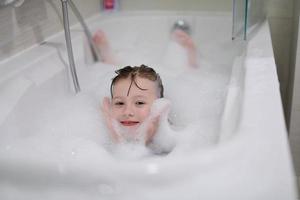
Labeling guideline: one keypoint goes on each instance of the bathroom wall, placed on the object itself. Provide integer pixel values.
(280, 16)
(205, 5)
(34, 21)
(294, 92)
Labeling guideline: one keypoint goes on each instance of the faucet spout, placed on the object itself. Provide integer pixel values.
(182, 25)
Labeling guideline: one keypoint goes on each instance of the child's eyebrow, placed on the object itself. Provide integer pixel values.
(117, 97)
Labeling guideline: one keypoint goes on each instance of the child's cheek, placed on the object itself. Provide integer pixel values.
(145, 113)
(115, 113)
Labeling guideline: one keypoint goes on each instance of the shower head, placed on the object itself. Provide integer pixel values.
(182, 25)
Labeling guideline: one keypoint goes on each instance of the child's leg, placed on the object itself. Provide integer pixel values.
(102, 44)
(183, 39)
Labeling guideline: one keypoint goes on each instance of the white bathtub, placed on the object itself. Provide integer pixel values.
(247, 156)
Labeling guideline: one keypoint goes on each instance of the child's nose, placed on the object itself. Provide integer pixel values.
(128, 110)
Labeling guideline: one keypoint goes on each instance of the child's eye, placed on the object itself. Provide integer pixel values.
(140, 103)
(119, 103)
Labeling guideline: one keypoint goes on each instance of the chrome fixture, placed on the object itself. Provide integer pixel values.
(182, 25)
(69, 45)
(94, 49)
(88, 34)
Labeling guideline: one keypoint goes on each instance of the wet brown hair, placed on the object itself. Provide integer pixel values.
(142, 71)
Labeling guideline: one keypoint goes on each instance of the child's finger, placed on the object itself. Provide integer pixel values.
(106, 104)
(106, 107)
(152, 129)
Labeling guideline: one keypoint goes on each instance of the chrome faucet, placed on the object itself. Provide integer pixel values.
(182, 25)
(69, 45)
(92, 45)
(88, 34)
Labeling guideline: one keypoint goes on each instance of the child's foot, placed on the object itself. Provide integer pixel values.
(183, 39)
(102, 44)
(186, 42)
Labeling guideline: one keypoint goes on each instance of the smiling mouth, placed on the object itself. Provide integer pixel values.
(129, 123)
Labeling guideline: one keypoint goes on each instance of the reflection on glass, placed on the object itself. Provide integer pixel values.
(239, 16)
(256, 13)
(246, 15)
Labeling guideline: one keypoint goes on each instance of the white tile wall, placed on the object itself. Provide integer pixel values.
(206, 5)
(298, 182)
(294, 125)
(282, 49)
(34, 21)
(295, 112)
(296, 102)
(294, 129)
(280, 14)
(280, 8)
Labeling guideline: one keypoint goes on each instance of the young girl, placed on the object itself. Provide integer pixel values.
(136, 104)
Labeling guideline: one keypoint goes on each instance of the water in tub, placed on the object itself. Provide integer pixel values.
(67, 132)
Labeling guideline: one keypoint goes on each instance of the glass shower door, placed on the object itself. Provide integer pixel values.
(239, 18)
(246, 15)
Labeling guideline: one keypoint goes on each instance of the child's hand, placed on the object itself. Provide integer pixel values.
(159, 109)
(149, 127)
(106, 111)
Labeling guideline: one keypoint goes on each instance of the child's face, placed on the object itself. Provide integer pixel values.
(132, 109)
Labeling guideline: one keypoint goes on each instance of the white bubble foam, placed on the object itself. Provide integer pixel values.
(188, 123)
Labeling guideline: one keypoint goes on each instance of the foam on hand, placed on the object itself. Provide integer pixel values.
(133, 139)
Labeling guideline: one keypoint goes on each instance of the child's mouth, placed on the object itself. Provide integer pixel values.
(129, 123)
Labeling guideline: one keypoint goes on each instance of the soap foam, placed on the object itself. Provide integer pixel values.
(196, 97)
